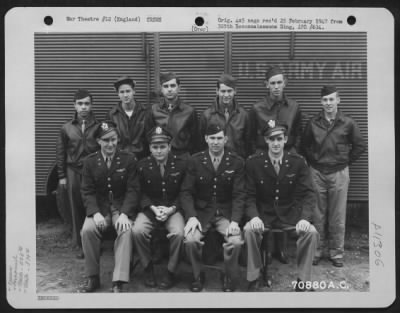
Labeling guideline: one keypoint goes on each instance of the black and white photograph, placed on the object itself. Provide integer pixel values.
(226, 157)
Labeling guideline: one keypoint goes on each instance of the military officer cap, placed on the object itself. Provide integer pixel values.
(124, 80)
(105, 128)
(327, 90)
(227, 80)
(159, 134)
(274, 128)
(213, 129)
(167, 76)
(82, 93)
(274, 70)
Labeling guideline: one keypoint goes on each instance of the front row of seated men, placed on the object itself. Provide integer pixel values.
(214, 188)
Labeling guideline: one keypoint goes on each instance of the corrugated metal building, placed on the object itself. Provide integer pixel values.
(65, 62)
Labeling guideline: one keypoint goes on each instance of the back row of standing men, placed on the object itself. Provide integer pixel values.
(330, 142)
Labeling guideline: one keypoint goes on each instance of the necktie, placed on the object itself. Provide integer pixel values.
(169, 107)
(108, 162)
(276, 167)
(162, 169)
(83, 126)
(215, 163)
(226, 114)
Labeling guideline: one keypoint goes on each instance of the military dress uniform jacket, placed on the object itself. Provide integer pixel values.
(286, 110)
(73, 145)
(237, 127)
(160, 190)
(117, 186)
(206, 192)
(282, 199)
(330, 148)
(132, 131)
(181, 122)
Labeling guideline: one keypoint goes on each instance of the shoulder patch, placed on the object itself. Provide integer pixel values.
(92, 154)
(295, 155)
(198, 154)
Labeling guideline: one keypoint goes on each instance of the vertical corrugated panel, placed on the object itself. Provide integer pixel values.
(310, 61)
(198, 59)
(65, 62)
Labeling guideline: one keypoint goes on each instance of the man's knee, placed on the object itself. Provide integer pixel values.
(192, 239)
(140, 230)
(312, 234)
(88, 228)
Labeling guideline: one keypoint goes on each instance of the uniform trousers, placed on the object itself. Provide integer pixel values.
(142, 232)
(76, 204)
(306, 246)
(231, 246)
(330, 212)
(91, 242)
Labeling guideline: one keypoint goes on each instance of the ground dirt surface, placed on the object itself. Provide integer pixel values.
(59, 271)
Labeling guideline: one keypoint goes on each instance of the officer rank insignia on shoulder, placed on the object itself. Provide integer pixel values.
(199, 154)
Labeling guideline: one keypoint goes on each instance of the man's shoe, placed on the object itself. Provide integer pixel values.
(227, 283)
(149, 280)
(92, 284)
(253, 286)
(80, 255)
(316, 261)
(198, 283)
(337, 262)
(168, 281)
(282, 257)
(117, 287)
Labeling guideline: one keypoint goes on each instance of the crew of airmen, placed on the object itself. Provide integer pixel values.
(242, 173)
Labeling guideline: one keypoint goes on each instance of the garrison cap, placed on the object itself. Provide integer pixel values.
(82, 93)
(227, 80)
(124, 80)
(274, 127)
(104, 128)
(167, 76)
(327, 90)
(213, 129)
(158, 134)
(274, 70)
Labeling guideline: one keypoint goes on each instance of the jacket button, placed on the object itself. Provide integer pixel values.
(277, 190)
(215, 179)
(163, 182)
(163, 190)
(276, 198)
(109, 186)
(215, 186)
(108, 178)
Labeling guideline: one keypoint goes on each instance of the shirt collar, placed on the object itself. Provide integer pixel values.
(164, 104)
(105, 157)
(276, 159)
(219, 158)
(270, 103)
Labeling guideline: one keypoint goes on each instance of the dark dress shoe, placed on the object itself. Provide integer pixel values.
(253, 286)
(227, 284)
(80, 255)
(167, 281)
(149, 280)
(282, 257)
(92, 284)
(117, 287)
(198, 283)
(337, 262)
